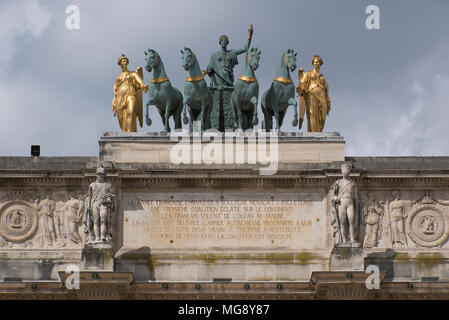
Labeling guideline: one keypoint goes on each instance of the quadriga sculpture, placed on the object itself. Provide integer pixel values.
(244, 98)
(196, 94)
(281, 94)
(167, 99)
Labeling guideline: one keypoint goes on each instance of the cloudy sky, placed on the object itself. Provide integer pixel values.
(389, 88)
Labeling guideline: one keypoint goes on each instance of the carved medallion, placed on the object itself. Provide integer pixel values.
(428, 227)
(18, 221)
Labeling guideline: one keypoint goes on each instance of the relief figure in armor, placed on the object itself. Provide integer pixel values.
(100, 199)
(346, 209)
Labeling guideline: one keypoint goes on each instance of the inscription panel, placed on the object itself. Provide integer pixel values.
(198, 221)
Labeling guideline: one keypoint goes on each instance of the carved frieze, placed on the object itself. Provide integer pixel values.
(43, 224)
(373, 213)
(18, 221)
(428, 226)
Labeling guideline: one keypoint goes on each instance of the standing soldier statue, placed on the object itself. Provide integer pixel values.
(345, 207)
(221, 73)
(99, 206)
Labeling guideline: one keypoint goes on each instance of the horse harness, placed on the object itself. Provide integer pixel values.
(283, 80)
(159, 80)
(247, 79)
(194, 78)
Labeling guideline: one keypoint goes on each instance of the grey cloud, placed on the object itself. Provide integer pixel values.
(56, 86)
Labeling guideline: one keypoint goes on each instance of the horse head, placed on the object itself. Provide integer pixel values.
(152, 59)
(289, 59)
(253, 58)
(188, 58)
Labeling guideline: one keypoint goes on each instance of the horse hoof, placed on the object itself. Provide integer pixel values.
(295, 122)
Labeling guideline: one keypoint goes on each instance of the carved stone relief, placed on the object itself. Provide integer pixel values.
(373, 213)
(398, 210)
(41, 222)
(398, 223)
(428, 222)
(18, 221)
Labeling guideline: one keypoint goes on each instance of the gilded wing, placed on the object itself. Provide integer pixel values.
(327, 95)
(139, 98)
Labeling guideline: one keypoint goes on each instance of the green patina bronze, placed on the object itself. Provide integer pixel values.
(196, 93)
(281, 94)
(245, 96)
(221, 73)
(166, 98)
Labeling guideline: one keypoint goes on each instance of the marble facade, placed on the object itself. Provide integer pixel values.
(211, 222)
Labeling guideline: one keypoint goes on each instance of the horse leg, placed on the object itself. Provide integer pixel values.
(208, 110)
(207, 117)
(147, 115)
(192, 117)
(234, 111)
(281, 117)
(168, 106)
(249, 117)
(276, 114)
(254, 101)
(266, 123)
(177, 116)
(177, 105)
(239, 116)
(202, 115)
(184, 115)
(161, 113)
(292, 102)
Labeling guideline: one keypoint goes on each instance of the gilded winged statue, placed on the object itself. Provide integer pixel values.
(127, 102)
(313, 96)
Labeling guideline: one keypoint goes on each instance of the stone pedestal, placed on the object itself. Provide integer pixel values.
(97, 257)
(347, 259)
(220, 150)
(205, 208)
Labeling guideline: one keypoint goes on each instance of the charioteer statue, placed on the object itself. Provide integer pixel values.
(221, 73)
